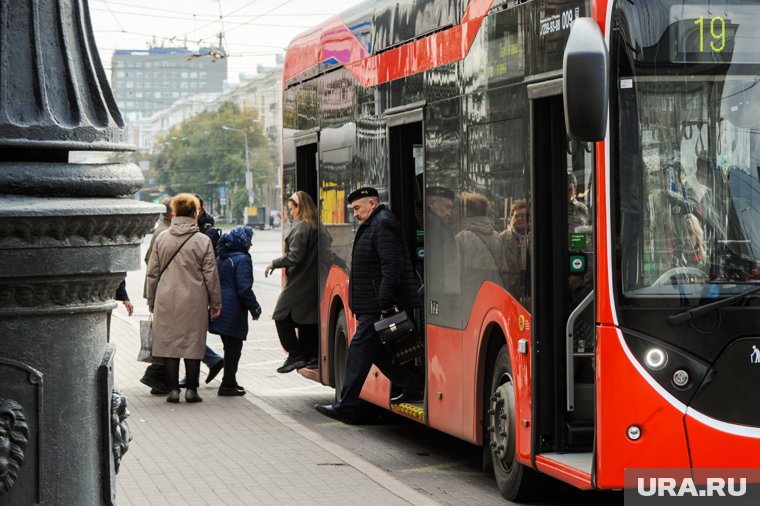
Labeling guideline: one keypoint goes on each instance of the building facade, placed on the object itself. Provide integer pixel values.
(262, 92)
(145, 82)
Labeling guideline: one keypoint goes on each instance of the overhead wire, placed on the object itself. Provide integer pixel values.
(231, 13)
(142, 15)
(200, 42)
(114, 15)
(280, 5)
(150, 10)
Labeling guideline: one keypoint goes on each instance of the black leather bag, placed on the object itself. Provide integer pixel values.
(394, 327)
(398, 334)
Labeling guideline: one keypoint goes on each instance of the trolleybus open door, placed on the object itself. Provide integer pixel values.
(406, 163)
(563, 310)
(306, 145)
(307, 163)
(564, 320)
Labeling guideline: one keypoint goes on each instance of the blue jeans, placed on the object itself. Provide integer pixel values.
(157, 370)
(211, 358)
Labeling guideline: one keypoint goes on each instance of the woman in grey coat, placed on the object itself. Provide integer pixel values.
(297, 305)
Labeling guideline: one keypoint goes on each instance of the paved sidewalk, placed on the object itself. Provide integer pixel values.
(237, 450)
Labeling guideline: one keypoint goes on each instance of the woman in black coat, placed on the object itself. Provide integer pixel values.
(236, 277)
(298, 303)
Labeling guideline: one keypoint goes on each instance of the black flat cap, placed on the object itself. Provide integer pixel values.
(439, 191)
(361, 193)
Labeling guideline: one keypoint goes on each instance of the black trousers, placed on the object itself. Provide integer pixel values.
(232, 350)
(304, 343)
(365, 350)
(192, 370)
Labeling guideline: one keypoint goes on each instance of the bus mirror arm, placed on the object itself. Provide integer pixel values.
(585, 83)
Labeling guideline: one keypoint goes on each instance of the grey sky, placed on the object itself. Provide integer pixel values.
(255, 30)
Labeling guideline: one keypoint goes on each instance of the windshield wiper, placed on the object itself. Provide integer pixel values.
(690, 314)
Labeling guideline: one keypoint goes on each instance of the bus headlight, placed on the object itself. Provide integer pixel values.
(677, 371)
(656, 358)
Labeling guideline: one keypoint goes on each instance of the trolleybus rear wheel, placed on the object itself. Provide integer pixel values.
(515, 481)
(340, 352)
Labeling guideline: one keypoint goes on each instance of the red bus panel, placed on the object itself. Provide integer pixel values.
(626, 398)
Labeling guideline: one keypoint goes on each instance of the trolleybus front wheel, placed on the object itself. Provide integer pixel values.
(515, 481)
(340, 352)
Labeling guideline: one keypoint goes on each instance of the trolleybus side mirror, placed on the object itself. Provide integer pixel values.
(585, 85)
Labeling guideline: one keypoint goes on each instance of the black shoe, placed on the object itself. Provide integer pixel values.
(173, 397)
(407, 395)
(154, 382)
(192, 396)
(312, 363)
(292, 363)
(160, 391)
(345, 415)
(183, 383)
(231, 391)
(214, 370)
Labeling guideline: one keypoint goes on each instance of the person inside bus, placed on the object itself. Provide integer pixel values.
(694, 241)
(516, 240)
(577, 211)
(297, 305)
(480, 248)
(441, 255)
(381, 280)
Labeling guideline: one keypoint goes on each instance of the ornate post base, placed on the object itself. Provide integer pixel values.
(62, 260)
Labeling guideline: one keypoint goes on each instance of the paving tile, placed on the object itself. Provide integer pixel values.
(236, 450)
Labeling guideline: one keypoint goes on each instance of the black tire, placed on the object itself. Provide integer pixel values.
(340, 353)
(516, 482)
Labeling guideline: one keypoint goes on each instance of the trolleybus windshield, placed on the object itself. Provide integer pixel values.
(688, 137)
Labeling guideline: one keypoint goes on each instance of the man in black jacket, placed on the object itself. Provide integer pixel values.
(206, 224)
(381, 279)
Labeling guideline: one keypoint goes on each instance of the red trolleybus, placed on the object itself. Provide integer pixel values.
(587, 236)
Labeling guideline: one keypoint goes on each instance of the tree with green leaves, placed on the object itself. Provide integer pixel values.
(207, 151)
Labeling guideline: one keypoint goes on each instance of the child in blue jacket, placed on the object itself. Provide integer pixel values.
(236, 276)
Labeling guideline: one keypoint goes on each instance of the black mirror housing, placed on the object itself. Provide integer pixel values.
(585, 84)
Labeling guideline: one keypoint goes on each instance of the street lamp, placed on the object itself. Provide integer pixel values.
(248, 175)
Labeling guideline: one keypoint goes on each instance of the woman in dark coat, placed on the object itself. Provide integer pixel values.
(236, 276)
(297, 305)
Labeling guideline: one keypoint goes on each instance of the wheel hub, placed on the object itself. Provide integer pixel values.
(502, 407)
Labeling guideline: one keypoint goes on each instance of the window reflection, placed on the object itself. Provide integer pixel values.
(694, 220)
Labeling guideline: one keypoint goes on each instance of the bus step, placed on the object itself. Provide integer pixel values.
(410, 410)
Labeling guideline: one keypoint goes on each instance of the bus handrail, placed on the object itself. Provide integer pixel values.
(569, 348)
